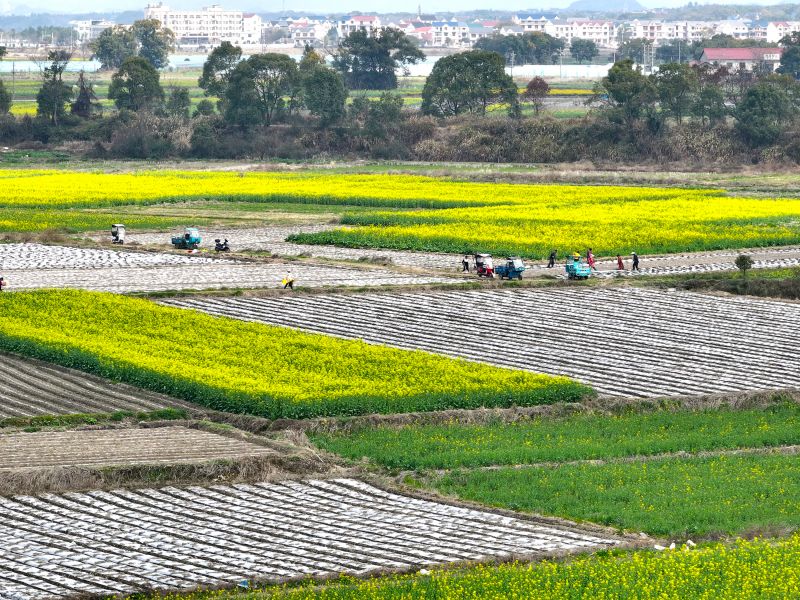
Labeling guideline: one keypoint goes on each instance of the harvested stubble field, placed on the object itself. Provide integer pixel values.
(114, 447)
(621, 341)
(121, 542)
(31, 387)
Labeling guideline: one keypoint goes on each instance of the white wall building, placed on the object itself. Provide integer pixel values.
(369, 23)
(208, 26)
(86, 31)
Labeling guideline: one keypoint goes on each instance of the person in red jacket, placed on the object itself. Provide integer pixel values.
(620, 264)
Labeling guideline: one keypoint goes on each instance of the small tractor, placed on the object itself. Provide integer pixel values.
(576, 268)
(190, 240)
(512, 269)
(118, 233)
(484, 265)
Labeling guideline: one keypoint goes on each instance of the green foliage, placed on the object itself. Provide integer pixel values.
(632, 50)
(86, 104)
(630, 92)
(671, 497)
(468, 82)
(583, 50)
(744, 263)
(763, 113)
(204, 108)
(580, 437)
(136, 85)
(370, 62)
(535, 92)
(5, 99)
(218, 68)
(324, 94)
(676, 85)
(257, 87)
(154, 42)
(3, 52)
(114, 46)
(531, 48)
(178, 102)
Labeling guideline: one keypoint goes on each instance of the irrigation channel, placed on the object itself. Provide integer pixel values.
(623, 341)
(120, 542)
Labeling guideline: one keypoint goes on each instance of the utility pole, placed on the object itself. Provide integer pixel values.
(510, 56)
(679, 51)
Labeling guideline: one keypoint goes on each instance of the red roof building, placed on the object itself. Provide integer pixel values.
(742, 59)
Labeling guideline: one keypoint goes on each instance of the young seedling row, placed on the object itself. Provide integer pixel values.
(122, 541)
(623, 341)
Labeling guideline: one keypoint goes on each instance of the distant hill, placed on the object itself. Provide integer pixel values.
(606, 6)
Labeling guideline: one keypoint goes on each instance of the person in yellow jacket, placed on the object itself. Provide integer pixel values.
(288, 281)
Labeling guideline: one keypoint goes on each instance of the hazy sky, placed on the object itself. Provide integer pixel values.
(322, 6)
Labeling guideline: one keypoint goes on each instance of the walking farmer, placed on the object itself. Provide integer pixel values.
(465, 264)
(590, 259)
(288, 281)
(620, 263)
(635, 266)
(551, 261)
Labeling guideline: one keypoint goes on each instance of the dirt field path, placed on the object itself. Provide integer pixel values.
(623, 341)
(31, 387)
(121, 542)
(32, 266)
(273, 239)
(113, 447)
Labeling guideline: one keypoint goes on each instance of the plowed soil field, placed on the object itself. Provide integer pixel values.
(97, 448)
(30, 387)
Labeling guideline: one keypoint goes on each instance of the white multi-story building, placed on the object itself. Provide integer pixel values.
(369, 23)
(600, 31)
(86, 31)
(208, 26)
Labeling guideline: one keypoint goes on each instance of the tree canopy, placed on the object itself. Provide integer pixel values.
(468, 82)
(529, 48)
(52, 98)
(146, 39)
(324, 94)
(370, 62)
(257, 87)
(136, 85)
(5, 99)
(583, 50)
(218, 68)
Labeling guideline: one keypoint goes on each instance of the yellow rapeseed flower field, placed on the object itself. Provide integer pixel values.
(450, 216)
(745, 570)
(269, 371)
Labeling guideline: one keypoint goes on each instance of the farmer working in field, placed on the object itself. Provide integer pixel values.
(2, 284)
(288, 281)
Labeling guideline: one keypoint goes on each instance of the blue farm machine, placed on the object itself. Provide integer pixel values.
(511, 269)
(576, 268)
(190, 240)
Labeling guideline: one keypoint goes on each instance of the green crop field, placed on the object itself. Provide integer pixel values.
(575, 438)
